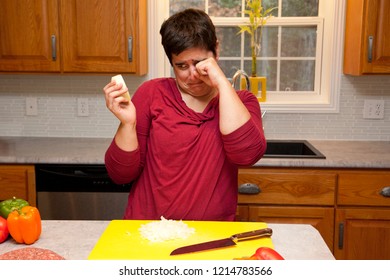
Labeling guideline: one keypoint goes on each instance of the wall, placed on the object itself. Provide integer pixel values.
(57, 109)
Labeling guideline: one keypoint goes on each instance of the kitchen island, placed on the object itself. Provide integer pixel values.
(347, 188)
(74, 240)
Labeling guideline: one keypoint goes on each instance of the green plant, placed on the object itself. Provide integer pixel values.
(257, 19)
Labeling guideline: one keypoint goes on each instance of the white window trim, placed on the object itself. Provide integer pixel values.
(332, 66)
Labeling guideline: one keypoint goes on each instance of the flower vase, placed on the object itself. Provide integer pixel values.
(256, 83)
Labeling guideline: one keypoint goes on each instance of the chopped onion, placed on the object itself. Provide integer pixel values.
(163, 230)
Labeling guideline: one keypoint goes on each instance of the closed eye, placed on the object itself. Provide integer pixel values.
(182, 66)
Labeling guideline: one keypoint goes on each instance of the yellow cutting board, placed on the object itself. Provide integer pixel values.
(122, 241)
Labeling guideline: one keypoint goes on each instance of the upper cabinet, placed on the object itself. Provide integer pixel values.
(73, 36)
(26, 30)
(367, 37)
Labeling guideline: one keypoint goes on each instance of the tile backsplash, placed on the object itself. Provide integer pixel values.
(57, 109)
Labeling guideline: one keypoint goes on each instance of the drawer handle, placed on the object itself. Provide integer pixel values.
(369, 51)
(341, 236)
(53, 47)
(130, 49)
(385, 192)
(249, 188)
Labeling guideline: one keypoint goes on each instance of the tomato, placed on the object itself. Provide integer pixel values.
(266, 253)
(3, 230)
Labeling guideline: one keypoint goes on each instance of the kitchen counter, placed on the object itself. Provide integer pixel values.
(339, 154)
(74, 240)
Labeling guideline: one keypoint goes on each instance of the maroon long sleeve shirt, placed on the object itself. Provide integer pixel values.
(184, 168)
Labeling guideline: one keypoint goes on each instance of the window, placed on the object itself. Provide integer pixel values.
(300, 51)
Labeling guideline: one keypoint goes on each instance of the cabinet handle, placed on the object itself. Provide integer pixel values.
(130, 49)
(53, 47)
(249, 188)
(341, 236)
(385, 192)
(369, 51)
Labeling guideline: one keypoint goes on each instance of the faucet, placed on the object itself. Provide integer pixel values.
(262, 117)
(238, 74)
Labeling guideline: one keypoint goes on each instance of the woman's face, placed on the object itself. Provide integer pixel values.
(184, 68)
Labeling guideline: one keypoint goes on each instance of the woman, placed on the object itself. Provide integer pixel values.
(181, 140)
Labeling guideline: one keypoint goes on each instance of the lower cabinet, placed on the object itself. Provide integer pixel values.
(362, 227)
(289, 196)
(18, 181)
(362, 234)
(322, 218)
(349, 207)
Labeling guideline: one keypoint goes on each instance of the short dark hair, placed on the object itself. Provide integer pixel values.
(187, 29)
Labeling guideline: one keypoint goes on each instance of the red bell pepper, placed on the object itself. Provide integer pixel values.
(266, 253)
(3, 230)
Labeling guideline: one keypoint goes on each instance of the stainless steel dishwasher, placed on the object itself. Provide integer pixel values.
(78, 192)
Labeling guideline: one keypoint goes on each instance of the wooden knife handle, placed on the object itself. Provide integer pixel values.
(253, 234)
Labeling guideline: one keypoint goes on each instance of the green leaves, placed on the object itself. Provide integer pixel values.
(258, 17)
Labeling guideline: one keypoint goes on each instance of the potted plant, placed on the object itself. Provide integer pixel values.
(258, 17)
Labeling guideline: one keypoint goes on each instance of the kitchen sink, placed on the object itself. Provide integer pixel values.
(291, 149)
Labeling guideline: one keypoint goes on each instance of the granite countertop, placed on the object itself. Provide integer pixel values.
(74, 240)
(339, 154)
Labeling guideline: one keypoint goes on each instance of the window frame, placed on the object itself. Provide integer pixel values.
(330, 21)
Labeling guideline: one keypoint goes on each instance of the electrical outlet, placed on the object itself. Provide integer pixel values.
(374, 109)
(31, 106)
(82, 107)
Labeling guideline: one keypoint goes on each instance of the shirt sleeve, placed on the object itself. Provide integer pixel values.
(247, 144)
(123, 166)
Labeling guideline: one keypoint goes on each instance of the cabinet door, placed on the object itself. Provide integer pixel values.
(367, 49)
(29, 36)
(362, 234)
(322, 218)
(18, 181)
(104, 36)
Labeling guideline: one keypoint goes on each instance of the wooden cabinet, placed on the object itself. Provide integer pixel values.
(367, 35)
(288, 195)
(349, 207)
(363, 215)
(18, 181)
(322, 218)
(26, 30)
(73, 36)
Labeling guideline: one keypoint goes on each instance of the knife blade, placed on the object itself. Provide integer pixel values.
(221, 243)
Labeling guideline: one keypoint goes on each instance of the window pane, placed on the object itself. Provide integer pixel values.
(265, 68)
(225, 8)
(297, 75)
(271, 4)
(229, 41)
(287, 54)
(300, 8)
(299, 41)
(229, 67)
(179, 5)
(269, 43)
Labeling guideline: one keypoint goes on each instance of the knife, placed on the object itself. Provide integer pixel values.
(220, 243)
